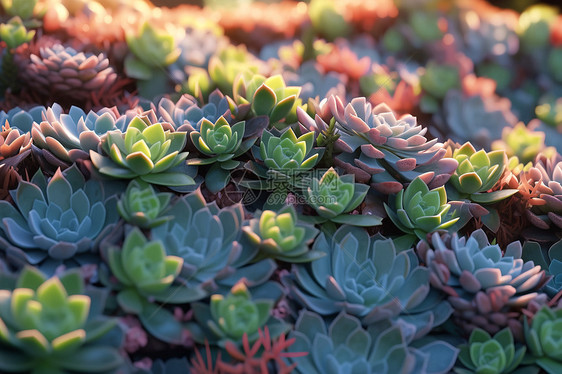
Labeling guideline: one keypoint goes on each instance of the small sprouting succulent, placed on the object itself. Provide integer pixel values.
(522, 142)
(279, 235)
(14, 33)
(346, 346)
(141, 206)
(63, 72)
(229, 318)
(12, 142)
(478, 172)
(333, 197)
(50, 325)
(544, 340)
(393, 151)
(55, 221)
(144, 150)
(549, 260)
(186, 115)
(144, 273)
(208, 240)
(419, 211)
(367, 278)
(66, 138)
(267, 97)
(483, 283)
(220, 143)
(492, 355)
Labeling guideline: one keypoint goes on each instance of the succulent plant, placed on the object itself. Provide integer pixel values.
(283, 159)
(534, 26)
(268, 97)
(220, 143)
(487, 354)
(345, 346)
(479, 120)
(144, 150)
(367, 278)
(208, 240)
(141, 206)
(543, 339)
(279, 235)
(478, 172)
(151, 50)
(438, 79)
(550, 260)
(186, 115)
(20, 8)
(23, 119)
(66, 138)
(144, 273)
(56, 221)
(230, 63)
(327, 19)
(14, 33)
(64, 72)
(522, 142)
(12, 143)
(314, 83)
(486, 288)
(393, 151)
(333, 197)
(419, 211)
(228, 318)
(51, 325)
(549, 110)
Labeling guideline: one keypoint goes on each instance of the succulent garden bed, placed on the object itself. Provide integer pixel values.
(313, 187)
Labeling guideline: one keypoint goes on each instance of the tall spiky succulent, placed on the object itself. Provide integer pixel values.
(279, 235)
(63, 72)
(417, 211)
(346, 346)
(143, 273)
(486, 354)
(51, 325)
(66, 138)
(145, 150)
(220, 143)
(333, 196)
(208, 240)
(486, 288)
(367, 278)
(55, 221)
(393, 151)
(229, 317)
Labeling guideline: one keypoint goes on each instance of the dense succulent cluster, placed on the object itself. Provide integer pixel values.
(257, 186)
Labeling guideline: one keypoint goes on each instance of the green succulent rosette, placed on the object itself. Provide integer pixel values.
(268, 97)
(143, 274)
(50, 326)
(417, 211)
(487, 354)
(544, 339)
(333, 197)
(220, 143)
(142, 206)
(229, 317)
(14, 33)
(478, 172)
(146, 151)
(279, 235)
